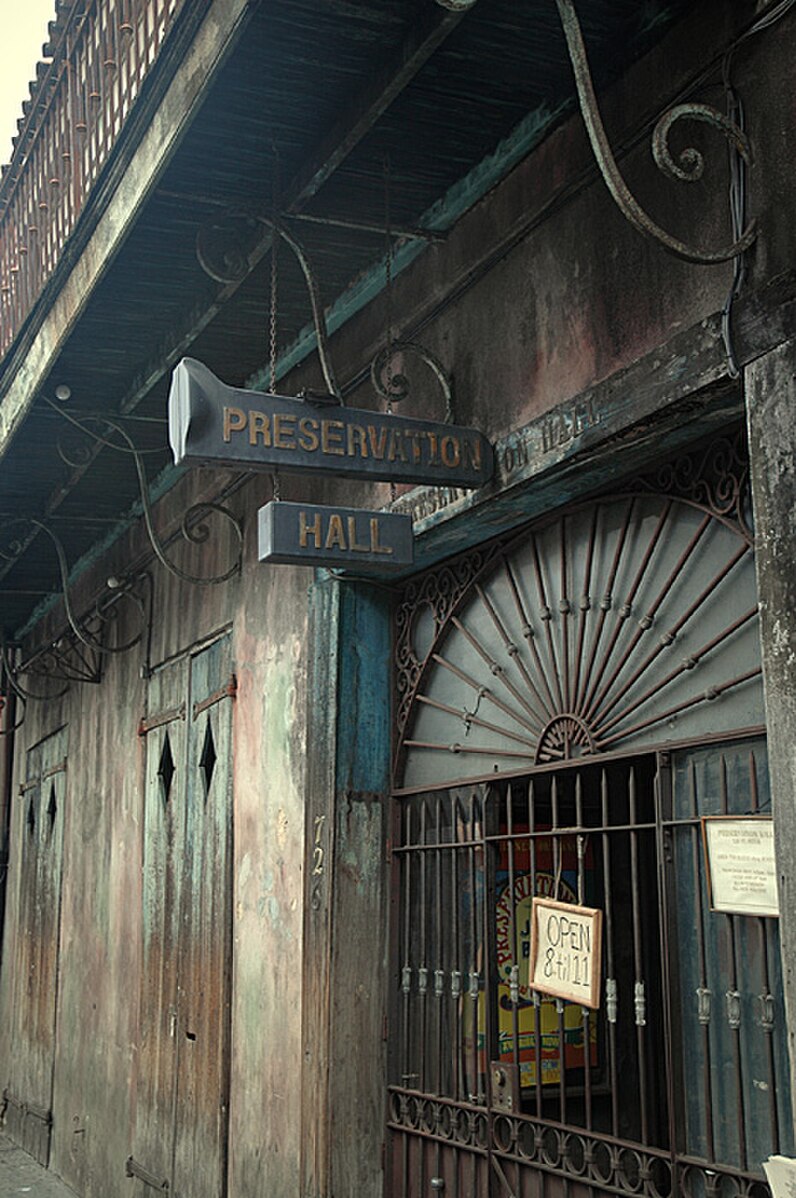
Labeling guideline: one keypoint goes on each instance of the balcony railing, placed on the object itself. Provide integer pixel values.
(98, 56)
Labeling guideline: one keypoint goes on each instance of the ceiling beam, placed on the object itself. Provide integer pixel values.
(360, 114)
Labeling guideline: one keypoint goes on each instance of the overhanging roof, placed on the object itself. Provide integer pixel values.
(313, 100)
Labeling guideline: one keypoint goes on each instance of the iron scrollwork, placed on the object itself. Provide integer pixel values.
(688, 168)
(394, 387)
(225, 249)
(193, 528)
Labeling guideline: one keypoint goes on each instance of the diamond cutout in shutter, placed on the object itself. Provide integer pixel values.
(207, 762)
(166, 769)
(31, 820)
(52, 809)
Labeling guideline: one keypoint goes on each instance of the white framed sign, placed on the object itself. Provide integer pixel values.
(739, 855)
(566, 951)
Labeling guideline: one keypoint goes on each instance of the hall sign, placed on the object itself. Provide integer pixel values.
(309, 534)
(211, 424)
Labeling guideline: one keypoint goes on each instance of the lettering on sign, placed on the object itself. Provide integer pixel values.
(742, 877)
(212, 424)
(309, 534)
(566, 951)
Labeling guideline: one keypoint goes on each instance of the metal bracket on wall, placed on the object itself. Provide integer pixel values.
(133, 1169)
(688, 168)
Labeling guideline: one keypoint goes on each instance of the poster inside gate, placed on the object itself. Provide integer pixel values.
(521, 899)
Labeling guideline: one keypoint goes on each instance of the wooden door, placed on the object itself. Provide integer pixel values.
(40, 821)
(183, 1087)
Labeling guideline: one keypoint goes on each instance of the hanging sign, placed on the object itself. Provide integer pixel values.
(308, 534)
(211, 424)
(566, 948)
(742, 875)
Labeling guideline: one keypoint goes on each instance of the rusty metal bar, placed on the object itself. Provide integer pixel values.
(733, 996)
(133, 1169)
(638, 962)
(688, 664)
(605, 605)
(669, 637)
(511, 649)
(494, 667)
(648, 619)
(703, 993)
(585, 605)
(515, 965)
(537, 1008)
(487, 694)
(229, 691)
(549, 704)
(766, 997)
(625, 610)
(611, 990)
(148, 723)
(546, 616)
(713, 692)
(471, 718)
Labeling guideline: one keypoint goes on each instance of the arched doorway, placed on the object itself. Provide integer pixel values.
(572, 704)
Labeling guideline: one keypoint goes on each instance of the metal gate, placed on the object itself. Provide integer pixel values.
(571, 706)
(678, 1083)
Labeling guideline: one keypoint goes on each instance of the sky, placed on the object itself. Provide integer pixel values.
(23, 32)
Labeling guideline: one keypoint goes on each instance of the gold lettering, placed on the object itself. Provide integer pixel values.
(472, 450)
(377, 446)
(284, 431)
(415, 436)
(234, 421)
(449, 448)
(335, 535)
(259, 424)
(353, 543)
(308, 434)
(332, 437)
(397, 448)
(433, 442)
(357, 441)
(309, 530)
(375, 546)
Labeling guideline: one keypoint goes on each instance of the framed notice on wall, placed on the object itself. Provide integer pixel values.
(739, 853)
(566, 949)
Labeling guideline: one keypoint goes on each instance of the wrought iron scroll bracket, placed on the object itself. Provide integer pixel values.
(393, 387)
(221, 250)
(193, 527)
(688, 168)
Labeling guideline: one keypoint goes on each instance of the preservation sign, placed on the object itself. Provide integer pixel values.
(306, 534)
(566, 947)
(213, 424)
(742, 878)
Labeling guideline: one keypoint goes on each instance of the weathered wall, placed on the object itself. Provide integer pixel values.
(539, 293)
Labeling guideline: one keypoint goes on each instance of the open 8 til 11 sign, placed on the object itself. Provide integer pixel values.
(566, 951)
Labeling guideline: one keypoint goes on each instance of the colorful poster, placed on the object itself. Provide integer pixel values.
(519, 899)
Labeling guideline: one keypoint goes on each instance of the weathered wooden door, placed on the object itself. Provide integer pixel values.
(39, 832)
(183, 1085)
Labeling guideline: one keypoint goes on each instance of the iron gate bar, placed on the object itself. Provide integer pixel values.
(626, 608)
(688, 664)
(763, 934)
(731, 924)
(511, 649)
(606, 602)
(645, 623)
(609, 941)
(584, 605)
(469, 717)
(696, 860)
(529, 635)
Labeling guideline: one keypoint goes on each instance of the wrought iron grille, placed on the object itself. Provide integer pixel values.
(677, 1084)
